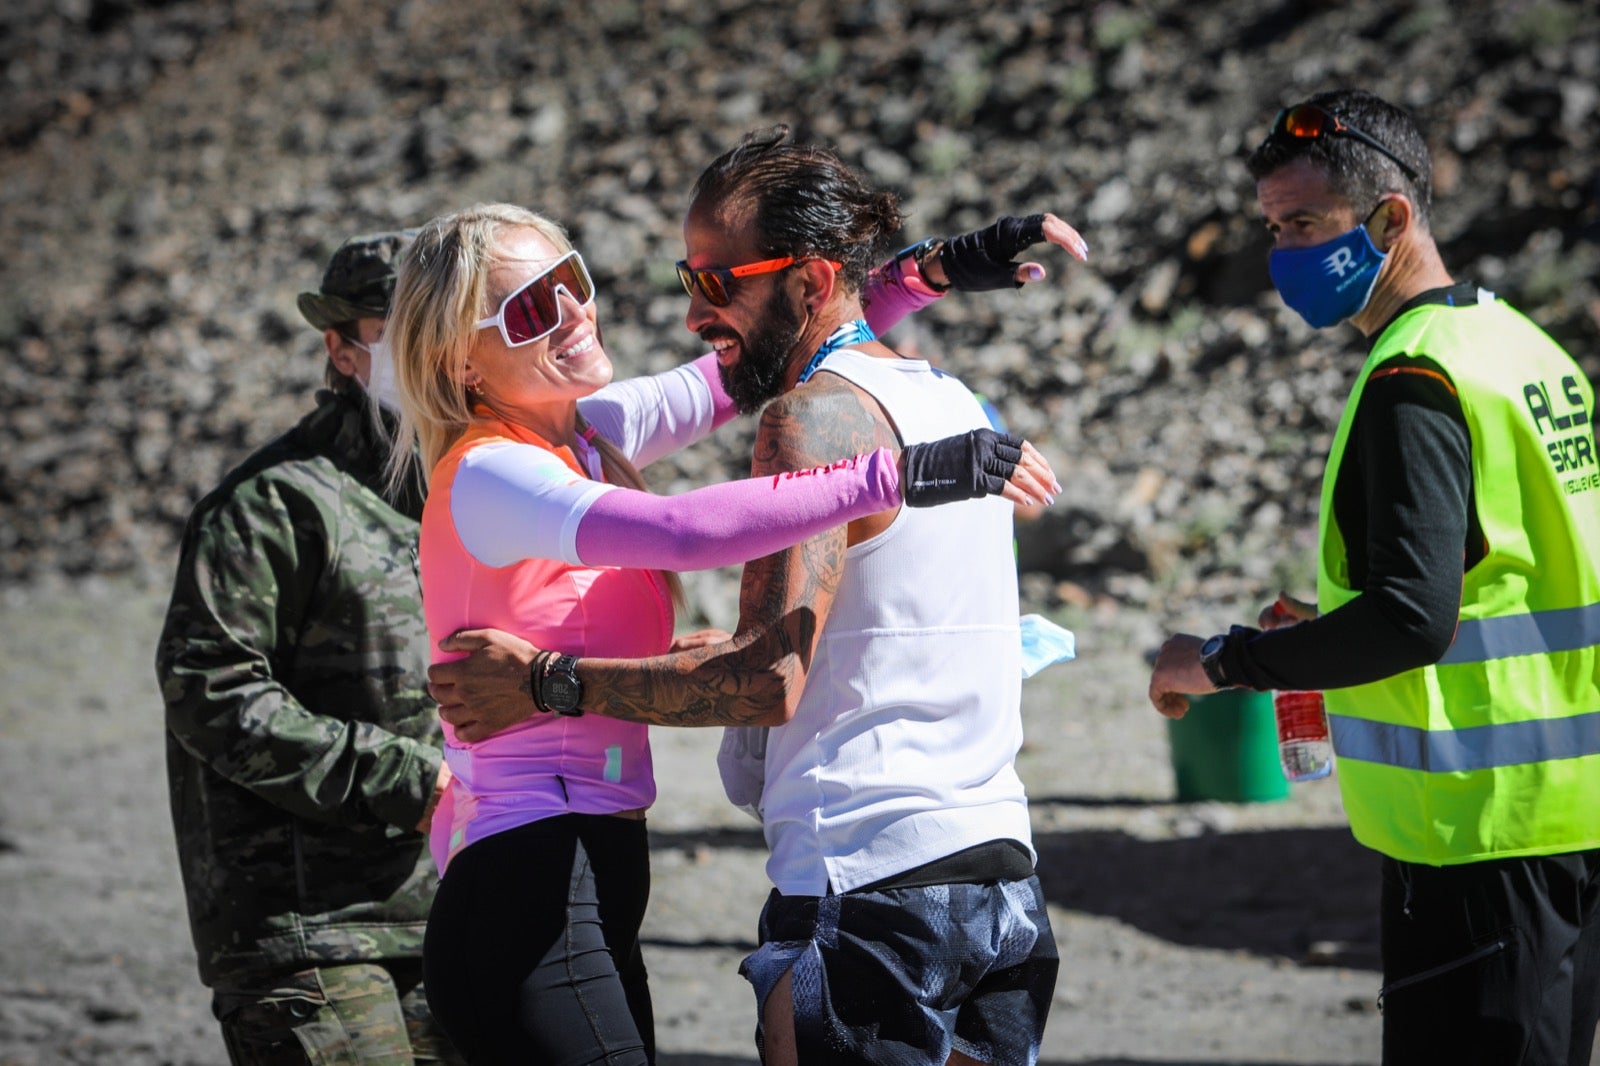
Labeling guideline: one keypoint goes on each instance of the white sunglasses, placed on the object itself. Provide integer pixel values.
(533, 312)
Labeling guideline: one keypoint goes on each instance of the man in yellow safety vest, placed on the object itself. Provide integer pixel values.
(1457, 622)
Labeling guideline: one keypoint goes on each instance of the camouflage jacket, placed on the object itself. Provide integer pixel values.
(302, 746)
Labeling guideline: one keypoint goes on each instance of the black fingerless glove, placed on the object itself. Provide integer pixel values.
(981, 260)
(963, 467)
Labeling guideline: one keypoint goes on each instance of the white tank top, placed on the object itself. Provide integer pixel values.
(902, 748)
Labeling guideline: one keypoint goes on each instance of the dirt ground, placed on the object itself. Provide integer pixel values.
(1199, 934)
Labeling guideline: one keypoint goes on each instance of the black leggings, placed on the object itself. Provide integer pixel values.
(532, 950)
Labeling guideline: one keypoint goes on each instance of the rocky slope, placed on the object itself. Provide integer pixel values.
(175, 172)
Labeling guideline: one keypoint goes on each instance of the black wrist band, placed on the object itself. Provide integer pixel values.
(536, 672)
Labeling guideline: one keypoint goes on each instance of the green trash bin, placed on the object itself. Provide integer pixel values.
(1226, 748)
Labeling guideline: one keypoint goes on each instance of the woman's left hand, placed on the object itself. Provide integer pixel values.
(982, 260)
(1033, 483)
(967, 466)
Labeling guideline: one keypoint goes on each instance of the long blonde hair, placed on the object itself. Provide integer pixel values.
(440, 293)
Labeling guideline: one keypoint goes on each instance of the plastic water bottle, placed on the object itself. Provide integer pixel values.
(1304, 745)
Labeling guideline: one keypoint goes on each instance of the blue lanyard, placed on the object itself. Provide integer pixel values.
(857, 332)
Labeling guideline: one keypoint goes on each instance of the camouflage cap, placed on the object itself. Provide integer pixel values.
(359, 280)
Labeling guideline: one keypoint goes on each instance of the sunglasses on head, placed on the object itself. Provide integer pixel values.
(532, 312)
(1307, 122)
(714, 283)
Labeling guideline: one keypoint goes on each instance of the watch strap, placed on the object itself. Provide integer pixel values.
(565, 667)
(1211, 661)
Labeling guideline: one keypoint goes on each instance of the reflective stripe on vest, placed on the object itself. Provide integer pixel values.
(1481, 639)
(1484, 747)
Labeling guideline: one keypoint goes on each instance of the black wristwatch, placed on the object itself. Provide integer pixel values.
(559, 689)
(919, 252)
(1211, 661)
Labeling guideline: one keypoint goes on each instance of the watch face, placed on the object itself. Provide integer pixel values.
(562, 693)
(1212, 646)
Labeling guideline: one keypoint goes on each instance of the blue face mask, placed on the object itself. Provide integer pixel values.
(1328, 282)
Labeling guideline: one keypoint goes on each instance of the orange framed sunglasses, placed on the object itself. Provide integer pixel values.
(715, 283)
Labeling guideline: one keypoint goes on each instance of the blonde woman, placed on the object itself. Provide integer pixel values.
(536, 524)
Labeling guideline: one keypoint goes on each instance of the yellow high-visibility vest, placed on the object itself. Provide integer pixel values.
(1494, 751)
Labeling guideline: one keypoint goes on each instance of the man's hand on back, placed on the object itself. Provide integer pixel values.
(486, 691)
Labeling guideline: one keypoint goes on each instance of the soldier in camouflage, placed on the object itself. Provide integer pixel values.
(302, 747)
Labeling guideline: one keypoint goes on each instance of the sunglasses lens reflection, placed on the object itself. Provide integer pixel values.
(1305, 122)
(531, 314)
(707, 282)
(711, 284)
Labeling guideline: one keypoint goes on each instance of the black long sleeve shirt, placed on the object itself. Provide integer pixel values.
(1404, 501)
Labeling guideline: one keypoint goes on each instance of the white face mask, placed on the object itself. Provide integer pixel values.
(381, 384)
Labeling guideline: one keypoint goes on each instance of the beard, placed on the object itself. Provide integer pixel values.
(764, 356)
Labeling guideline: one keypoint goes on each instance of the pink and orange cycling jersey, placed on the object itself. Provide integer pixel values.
(549, 764)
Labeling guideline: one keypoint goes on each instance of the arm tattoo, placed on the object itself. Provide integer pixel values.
(784, 598)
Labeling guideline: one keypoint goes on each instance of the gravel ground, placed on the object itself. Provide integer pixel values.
(1198, 933)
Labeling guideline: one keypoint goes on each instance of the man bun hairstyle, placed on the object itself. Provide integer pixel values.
(1357, 171)
(802, 200)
